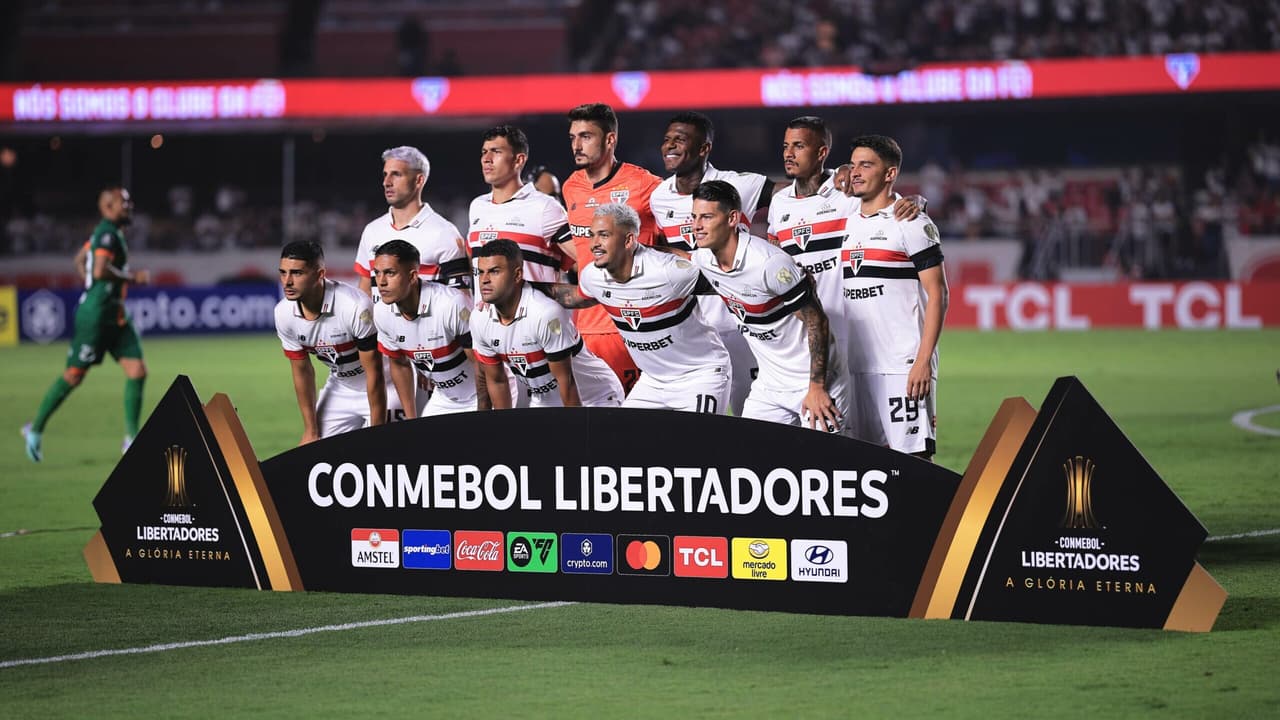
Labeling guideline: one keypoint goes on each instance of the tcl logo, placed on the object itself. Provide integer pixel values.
(705, 557)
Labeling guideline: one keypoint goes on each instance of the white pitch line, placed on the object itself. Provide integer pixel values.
(1237, 536)
(164, 647)
(1244, 420)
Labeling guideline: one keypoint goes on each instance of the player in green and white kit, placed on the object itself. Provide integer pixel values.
(101, 325)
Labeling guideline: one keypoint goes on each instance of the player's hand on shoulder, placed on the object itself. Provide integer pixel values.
(909, 208)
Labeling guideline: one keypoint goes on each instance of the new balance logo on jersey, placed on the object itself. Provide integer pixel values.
(801, 235)
(519, 363)
(632, 316)
(425, 357)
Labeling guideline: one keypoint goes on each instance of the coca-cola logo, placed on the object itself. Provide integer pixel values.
(478, 550)
(487, 550)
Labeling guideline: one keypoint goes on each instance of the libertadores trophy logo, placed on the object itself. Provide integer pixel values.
(175, 459)
(1079, 513)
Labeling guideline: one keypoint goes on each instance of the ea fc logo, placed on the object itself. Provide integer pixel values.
(1079, 513)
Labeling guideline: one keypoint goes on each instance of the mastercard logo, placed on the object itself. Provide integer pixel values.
(643, 555)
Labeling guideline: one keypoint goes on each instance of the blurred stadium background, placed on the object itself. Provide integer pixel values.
(1085, 185)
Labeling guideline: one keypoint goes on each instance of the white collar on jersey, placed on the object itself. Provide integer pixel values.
(424, 298)
(740, 255)
(637, 264)
(522, 308)
(886, 211)
(417, 220)
(326, 307)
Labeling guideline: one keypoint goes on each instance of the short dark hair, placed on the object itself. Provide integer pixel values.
(516, 138)
(598, 113)
(502, 247)
(814, 124)
(401, 250)
(308, 251)
(697, 120)
(883, 145)
(720, 192)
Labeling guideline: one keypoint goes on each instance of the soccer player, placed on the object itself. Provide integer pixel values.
(808, 217)
(101, 323)
(528, 332)
(802, 378)
(649, 295)
(546, 182)
(601, 178)
(334, 322)
(686, 153)
(517, 211)
(895, 294)
(424, 326)
(444, 253)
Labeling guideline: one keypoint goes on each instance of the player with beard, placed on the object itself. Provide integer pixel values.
(602, 178)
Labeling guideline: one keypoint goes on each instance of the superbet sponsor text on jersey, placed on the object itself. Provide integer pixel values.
(811, 230)
(542, 332)
(434, 341)
(438, 242)
(656, 313)
(763, 289)
(882, 295)
(531, 219)
(346, 319)
(629, 184)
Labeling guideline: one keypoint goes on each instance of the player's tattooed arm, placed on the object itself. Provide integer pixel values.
(566, 294)
(817, 403)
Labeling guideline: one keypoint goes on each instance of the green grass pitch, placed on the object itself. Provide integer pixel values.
(1173, 393)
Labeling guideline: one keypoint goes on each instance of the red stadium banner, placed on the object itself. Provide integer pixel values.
(268, 99)
(1151, 305)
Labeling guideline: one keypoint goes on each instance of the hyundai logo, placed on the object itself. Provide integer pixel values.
(819, 555)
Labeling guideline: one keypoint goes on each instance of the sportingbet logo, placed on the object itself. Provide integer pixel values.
(820, 561)
(430, 92)
(375, 548)
(427, 550)
(586, 553)
(477, 550)
(706, 557)
(631, 87)
(759, 558)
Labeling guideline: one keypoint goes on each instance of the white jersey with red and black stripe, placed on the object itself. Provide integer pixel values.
(434, 341)
(811, 230)
(655, 311)
(763, 289)
(336, 337)
(883, 298)
(540, 332)
(672, 209)
(531, 219)
(440, 246)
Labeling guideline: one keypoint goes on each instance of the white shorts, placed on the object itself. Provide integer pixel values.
(716, 314)
(787, 406)
(705, 391)
(883, 415)
(340, 409)
(442, 404)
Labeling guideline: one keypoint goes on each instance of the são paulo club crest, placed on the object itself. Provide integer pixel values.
(631, 87)
(1183, 68)
(431, 92)
(737, 308)
(520, 364)
(855, 260)
(801, 234)
(632, 316)
(424, 358)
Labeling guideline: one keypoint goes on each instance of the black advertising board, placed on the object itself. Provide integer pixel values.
(637, 506)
